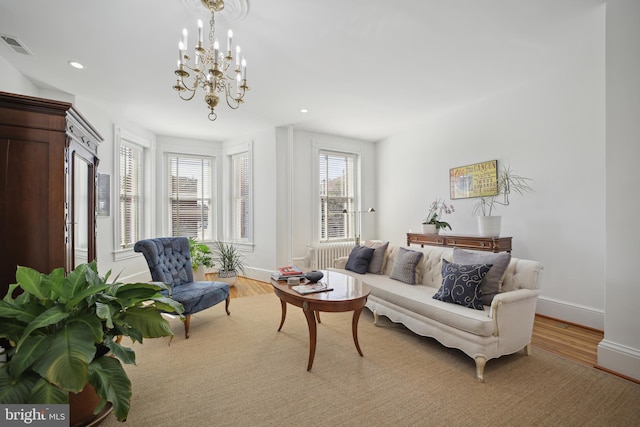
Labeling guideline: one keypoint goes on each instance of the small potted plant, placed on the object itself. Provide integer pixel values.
(230, 260)
(64, 334)
(508, 182)
(431, 223)
(200, 256)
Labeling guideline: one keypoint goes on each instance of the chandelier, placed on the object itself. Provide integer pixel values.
(211, 70)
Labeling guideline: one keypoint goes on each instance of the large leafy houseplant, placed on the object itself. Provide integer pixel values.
(64, 331)
(200, 254)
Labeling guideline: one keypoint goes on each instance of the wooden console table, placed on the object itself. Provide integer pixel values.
(476, 243)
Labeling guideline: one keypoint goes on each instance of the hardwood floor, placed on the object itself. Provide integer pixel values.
(571, 341)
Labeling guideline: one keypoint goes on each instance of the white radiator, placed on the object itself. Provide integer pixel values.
(321, 255)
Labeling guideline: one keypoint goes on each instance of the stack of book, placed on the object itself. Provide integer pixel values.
(283, 273)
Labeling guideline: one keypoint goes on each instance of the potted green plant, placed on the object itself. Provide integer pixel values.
(200, 256)
(508, 182)
(64, 334)
(431, 223)
(230, 261)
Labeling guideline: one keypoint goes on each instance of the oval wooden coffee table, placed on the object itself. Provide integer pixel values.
(348, 294)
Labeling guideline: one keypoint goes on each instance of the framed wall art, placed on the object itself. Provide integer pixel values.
(475, 180)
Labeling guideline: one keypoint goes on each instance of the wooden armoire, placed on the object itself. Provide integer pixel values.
(48, 162)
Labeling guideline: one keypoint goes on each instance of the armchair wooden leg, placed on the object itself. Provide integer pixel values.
(226, 305)
(527, 349)
(187, 324)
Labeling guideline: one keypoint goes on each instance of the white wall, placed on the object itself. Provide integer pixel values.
(620, 349)
(551, 130)
(14, 82)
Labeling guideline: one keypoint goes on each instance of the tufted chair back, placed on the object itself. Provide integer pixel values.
(168, 258)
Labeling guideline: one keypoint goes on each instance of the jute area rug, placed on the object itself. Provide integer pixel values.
(239, 371)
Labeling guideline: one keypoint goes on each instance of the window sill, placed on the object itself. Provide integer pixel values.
(121, 254)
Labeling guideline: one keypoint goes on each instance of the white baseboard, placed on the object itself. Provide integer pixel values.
(619, 358)
(574, 313)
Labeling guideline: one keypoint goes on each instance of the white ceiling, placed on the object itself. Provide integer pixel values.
(363, 68)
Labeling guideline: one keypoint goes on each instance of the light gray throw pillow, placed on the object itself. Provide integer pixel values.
(491, 284)
(377, 260)
(405, 266)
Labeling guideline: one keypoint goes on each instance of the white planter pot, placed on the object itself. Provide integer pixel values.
(198, 275)
(230, 277)
(489, 226)
(429, 229)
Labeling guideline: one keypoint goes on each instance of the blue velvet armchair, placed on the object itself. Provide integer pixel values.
(169, 261)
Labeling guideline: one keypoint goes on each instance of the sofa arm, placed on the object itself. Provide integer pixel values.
(340, 262)
(513, 313)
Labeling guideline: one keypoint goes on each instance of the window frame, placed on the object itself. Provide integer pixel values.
(232, 151)
(353, 205)
(127, 138)
(213, 202)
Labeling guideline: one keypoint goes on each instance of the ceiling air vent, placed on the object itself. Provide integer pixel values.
(15, 44)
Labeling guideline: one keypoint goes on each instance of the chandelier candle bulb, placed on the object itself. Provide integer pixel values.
(216, 46)
(244, 69)
(185, 36)
(237, 57)
(200, 39)
(229, 41)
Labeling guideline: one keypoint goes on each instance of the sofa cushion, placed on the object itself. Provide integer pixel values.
(359, 259)
(376, 265)
(461, 284)
(492, 282)
(405, 266)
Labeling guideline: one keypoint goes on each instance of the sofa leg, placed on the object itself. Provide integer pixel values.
(375, 317)
(480, 362)
(187, 324)
(527, 349)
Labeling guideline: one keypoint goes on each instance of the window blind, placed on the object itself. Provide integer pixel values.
(190, 197)
(130, 189)
(336, 195)
(241, 208)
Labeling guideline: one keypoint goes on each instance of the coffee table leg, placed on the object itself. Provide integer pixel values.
(284, 314)
(354, 327)
(311, 321)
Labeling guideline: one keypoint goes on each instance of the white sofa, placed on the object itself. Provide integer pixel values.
(504, 327)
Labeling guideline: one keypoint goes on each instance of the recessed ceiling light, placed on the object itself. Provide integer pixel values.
(77, 65)
(304, 110)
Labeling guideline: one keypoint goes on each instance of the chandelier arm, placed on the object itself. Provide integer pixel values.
(193, 93)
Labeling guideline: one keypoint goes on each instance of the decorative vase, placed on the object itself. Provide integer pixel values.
(429, 229)
(230, 277)
(489, 226)
(313, 276)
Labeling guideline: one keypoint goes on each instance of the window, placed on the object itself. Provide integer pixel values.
(191, 212)
(130, 193)
(240, 197)
(337, 195)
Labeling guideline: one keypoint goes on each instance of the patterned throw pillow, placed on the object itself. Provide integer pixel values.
(461, 284)
(359, 259)
(377, 260)
(406, 265)
(492, 282)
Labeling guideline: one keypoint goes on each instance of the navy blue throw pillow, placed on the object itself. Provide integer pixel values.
(461, 284)
(359, 259)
